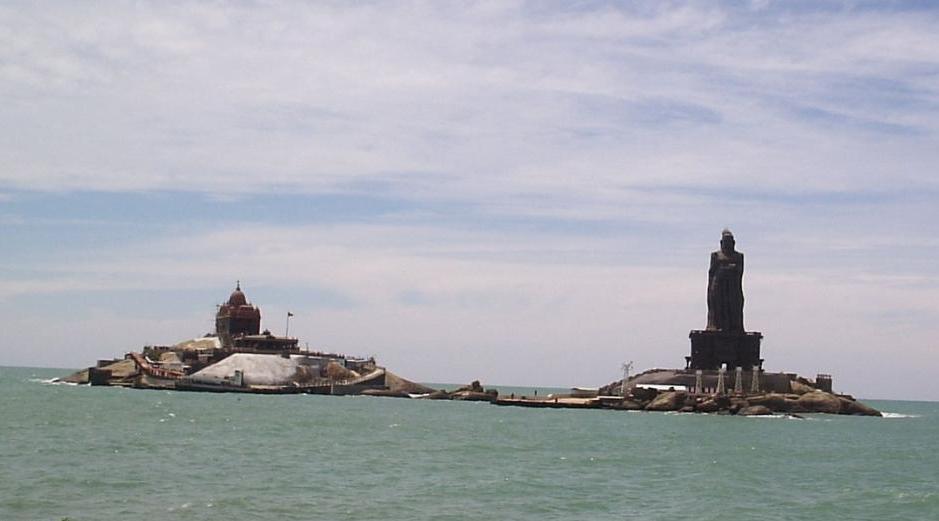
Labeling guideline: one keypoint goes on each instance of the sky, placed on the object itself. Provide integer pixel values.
(524, 193)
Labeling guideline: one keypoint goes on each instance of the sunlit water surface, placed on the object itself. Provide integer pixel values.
(93, 453)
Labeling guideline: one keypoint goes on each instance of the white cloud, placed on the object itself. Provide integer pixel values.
(505, 98)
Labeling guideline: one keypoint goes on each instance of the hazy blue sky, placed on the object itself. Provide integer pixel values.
(521, 193)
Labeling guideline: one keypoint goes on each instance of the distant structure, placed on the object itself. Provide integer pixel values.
(724, 340)
(238, 326)
(237, 318)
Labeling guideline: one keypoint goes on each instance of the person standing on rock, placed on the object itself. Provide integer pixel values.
(725, 287)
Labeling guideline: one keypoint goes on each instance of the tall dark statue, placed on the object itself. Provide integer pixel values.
(725, 287)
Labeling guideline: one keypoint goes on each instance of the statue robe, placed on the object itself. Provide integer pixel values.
(725, 291)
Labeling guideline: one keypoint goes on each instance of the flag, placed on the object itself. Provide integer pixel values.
(289, 314)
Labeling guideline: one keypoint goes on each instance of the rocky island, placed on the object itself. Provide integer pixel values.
(723, 374)
(239, 357)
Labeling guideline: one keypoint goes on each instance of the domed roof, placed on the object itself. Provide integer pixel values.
(237, 298)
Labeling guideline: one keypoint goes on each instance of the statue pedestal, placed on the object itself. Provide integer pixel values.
(712, 349)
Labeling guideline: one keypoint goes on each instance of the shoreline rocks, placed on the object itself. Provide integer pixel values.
(815, 401)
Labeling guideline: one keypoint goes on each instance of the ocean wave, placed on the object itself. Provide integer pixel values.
(899, 415)
(50, 381)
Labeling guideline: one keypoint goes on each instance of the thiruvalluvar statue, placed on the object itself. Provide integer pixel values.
(725, 287)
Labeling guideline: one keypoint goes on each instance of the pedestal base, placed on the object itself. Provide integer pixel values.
(712, 349)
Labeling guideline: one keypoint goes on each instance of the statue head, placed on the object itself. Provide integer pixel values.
(727, 241)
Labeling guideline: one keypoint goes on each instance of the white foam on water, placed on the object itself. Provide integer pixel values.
(769, 416)
(898, 415)
(50, 381)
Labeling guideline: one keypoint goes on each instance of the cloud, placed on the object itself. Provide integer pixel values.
(505, 98)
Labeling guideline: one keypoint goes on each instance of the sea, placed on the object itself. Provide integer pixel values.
(105, 453)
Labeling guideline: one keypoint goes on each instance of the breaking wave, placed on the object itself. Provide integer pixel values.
(50, 381)
(899, 415)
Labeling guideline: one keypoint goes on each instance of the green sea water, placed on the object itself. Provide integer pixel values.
(95, 453)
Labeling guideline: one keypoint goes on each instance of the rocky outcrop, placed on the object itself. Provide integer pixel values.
(629, 405)
(708, 406)
(773, 401)
(818, 401)
(119, 370)
(749, 405)
(398, 384)
(849, 406)
(474, 392)
(755, 410)
(336, 372)
(474, 396)
(436, 395)
(388, 393)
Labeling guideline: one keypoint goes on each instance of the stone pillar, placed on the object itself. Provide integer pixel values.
(755, 384)
(698, 384)
(720, 380)
(738, 381)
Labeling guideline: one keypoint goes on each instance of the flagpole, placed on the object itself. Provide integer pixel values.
(287, 329)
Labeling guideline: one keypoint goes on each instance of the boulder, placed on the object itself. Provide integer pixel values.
(755, 410)
(818, 401)
(628, 405)
(336, 372)
(773, 401)
(668, 401)
(800, 387)
(473, 396)
(708, 406)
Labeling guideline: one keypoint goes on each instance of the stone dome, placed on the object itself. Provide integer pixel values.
(237, 298)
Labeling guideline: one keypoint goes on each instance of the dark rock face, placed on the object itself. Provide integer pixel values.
(644, 394)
